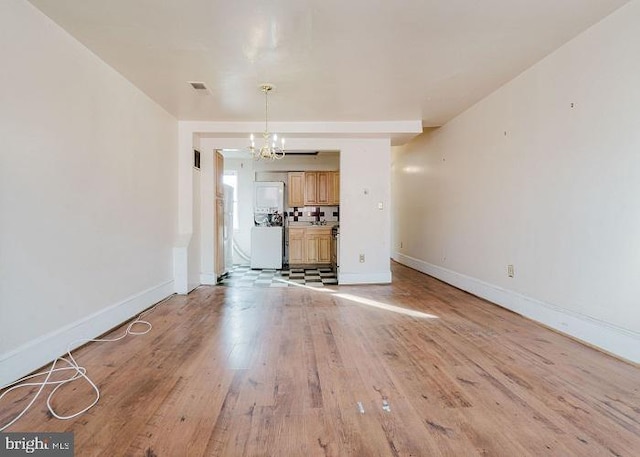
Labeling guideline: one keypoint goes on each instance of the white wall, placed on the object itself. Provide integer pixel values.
(198, 179)
(364, 227)
(88, 191)
(367, 231)
(543, 174)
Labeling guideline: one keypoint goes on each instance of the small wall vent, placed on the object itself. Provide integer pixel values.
(199, 86)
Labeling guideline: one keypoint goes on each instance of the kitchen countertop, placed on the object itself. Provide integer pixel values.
(298, 224)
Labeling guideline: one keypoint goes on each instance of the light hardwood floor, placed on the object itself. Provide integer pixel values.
(280, 372)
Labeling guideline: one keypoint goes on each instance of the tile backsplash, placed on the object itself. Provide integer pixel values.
(313, 213)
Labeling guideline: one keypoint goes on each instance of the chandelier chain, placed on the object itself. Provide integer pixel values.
(266, 110)
(269, 149)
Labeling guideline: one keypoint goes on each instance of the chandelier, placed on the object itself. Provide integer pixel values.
(269, 149)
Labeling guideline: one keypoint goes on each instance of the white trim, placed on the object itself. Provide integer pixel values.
(611, 338)
(356, 129)
(180, 273)
(32, 355)
(208, 279)
(364, 278)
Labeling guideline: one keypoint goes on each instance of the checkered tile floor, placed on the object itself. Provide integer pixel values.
(244, 276)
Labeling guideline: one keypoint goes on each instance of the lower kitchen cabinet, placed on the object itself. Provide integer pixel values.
(296, 246)
(309, 246)
(324, 248)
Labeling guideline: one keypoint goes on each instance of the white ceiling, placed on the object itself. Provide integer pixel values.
(331, 60)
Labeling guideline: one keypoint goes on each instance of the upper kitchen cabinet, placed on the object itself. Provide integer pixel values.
(310, 188)
(334, 189)
(323, 188)
(320, 188)
(296, 188)
(314, 188)
(219, 174)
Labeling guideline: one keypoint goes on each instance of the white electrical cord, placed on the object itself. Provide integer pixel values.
(239, 251)
(77, 370)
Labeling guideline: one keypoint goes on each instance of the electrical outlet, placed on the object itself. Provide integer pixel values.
(361, 258)
(510, 271)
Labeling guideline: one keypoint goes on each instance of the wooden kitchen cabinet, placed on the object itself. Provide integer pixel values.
(219, 237)
(314, 188)
(310, 188)
(296, 189)
(324, 248)
(219, 174)
(323, 188)
(219, 254)
(319, 188)
(309, 246)
(296, 246)
(334, 189)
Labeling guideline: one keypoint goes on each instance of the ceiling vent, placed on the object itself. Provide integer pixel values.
(199, 86)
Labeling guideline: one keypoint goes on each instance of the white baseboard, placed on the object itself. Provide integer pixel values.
(181, 269)
(44, 349)
(364, 278)
(611, 338)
